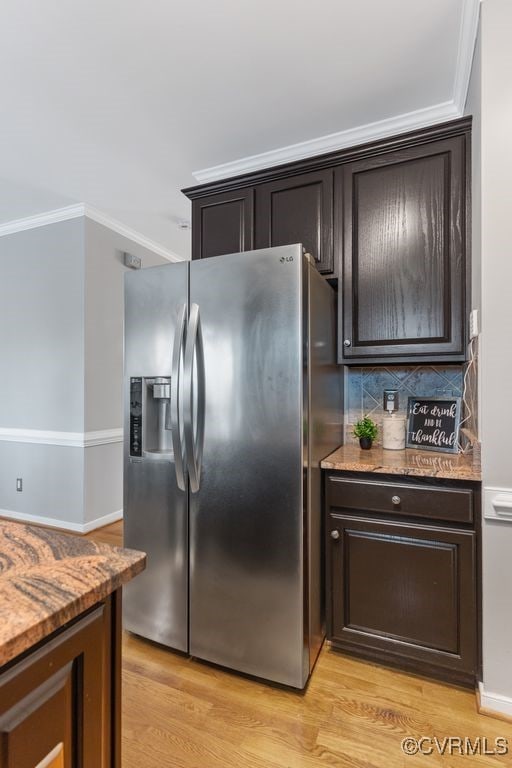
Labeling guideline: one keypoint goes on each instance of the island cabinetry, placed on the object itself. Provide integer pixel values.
(402, 572)
(58, 702)
(60, 648)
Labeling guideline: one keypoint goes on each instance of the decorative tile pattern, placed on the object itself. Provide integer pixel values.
(365, 387)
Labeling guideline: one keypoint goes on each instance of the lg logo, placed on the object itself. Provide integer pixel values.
(284, 259)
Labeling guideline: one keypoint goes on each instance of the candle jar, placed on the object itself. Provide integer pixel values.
(393, 432)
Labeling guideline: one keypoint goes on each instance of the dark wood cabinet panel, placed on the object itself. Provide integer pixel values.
(403, 591)
(408, 500)
(58, 702)
(389, 220)
(223, 223)
(298, 210)
(39, 725)
(402, 224)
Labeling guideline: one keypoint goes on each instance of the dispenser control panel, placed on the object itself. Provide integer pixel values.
(136, 416)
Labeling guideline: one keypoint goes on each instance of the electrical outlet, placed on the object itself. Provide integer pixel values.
(473, 324)
(19, 484)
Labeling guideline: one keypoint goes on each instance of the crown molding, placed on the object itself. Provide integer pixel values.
(42, 219)
(467, 40)
(131, 234)
(65, 439)
(87, 211)
(380, 129)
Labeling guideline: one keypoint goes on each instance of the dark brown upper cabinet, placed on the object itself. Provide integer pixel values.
(401, 223)
(388, 219)
(223, 223)
(298, 210)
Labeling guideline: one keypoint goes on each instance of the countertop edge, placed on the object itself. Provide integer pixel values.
(351, 459)
(45, 628)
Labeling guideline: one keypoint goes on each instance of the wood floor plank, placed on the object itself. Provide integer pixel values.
(181, 713)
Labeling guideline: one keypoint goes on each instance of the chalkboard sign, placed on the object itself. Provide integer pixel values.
(433, 423)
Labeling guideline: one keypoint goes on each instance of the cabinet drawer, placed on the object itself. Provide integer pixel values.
(404, 500)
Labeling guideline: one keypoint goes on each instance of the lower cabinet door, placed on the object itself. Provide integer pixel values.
(54, 704)
(404, 592)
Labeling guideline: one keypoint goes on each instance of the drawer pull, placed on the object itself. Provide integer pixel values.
(396, 500)
(335, 534)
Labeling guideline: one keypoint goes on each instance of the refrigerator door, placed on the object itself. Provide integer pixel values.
(155, 491)
(247, 604)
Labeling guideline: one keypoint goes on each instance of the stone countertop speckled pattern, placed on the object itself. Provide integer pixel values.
(48, 578)
(451, 466)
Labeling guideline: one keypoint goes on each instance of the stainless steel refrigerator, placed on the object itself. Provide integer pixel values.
(232, 398)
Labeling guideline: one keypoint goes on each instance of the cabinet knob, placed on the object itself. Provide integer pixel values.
(396, 500)
(347, 343)
(335, 534)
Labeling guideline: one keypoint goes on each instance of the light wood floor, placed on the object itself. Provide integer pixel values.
(180, 713)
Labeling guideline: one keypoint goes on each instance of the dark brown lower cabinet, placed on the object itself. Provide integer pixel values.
(402, 590)
(59, 704)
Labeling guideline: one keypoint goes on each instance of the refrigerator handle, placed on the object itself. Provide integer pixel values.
(194, 408)
(176, 406)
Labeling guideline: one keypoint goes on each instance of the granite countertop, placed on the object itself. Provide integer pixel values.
(451, 466)
(48, 578)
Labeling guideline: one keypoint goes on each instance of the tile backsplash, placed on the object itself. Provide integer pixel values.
(364, 388)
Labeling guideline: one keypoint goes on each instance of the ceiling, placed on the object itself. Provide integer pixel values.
(115, 104)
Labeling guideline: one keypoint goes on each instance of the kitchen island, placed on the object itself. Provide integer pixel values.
(60, 648)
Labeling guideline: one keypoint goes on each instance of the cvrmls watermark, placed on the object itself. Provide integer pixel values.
(455, 745)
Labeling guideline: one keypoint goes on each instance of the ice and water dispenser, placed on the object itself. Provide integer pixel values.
(150, 433)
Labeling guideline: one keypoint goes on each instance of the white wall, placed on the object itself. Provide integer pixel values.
(42, 371)
(42, 333)
(496, 357)
(61, 361)
(104, 307)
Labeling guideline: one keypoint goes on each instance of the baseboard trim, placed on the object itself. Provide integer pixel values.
(494, 704)
(63, 525)
(66, 439)
(99, 522)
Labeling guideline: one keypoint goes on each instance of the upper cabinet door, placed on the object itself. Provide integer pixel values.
(223, 223)
(298, 209)
(401, 217)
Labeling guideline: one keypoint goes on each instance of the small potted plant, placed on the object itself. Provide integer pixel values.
(366, 430)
